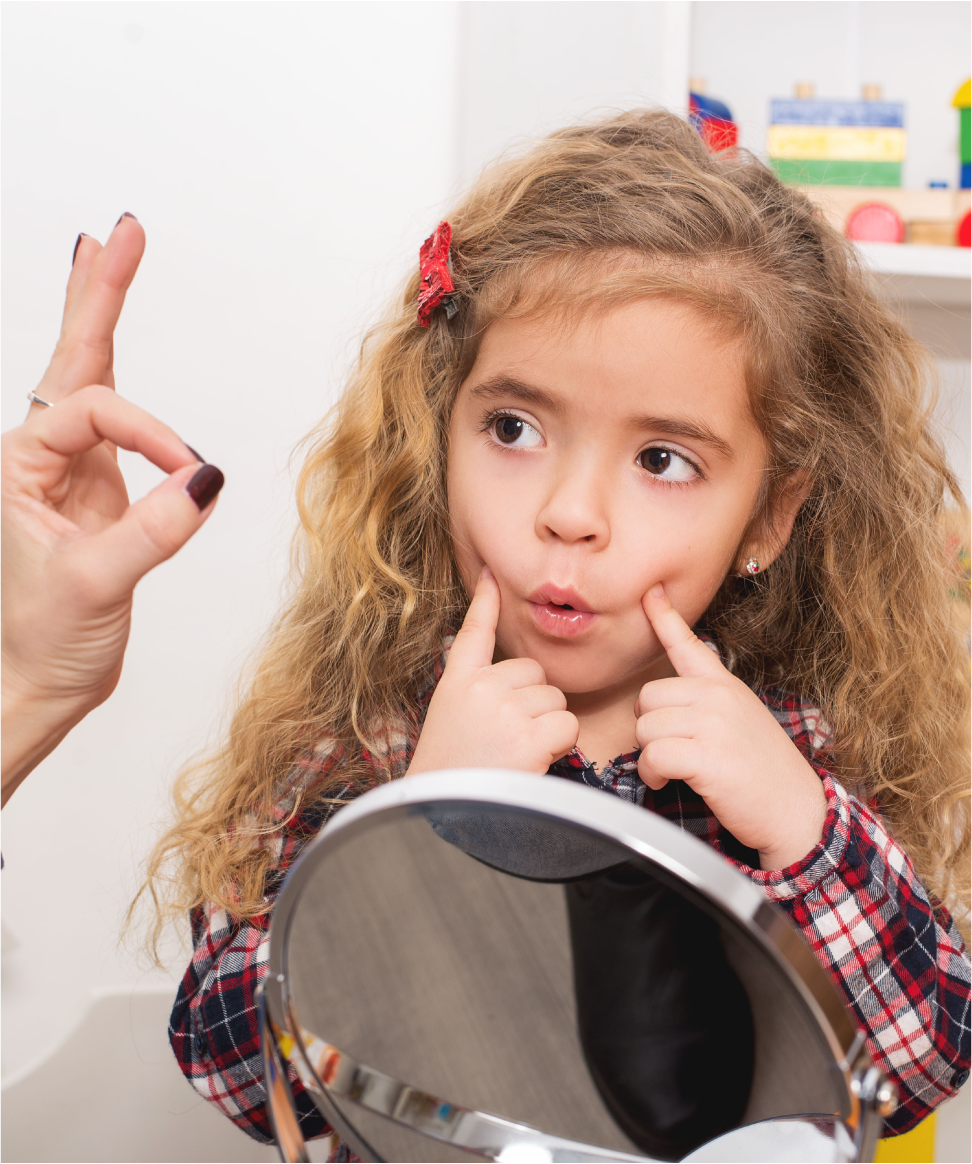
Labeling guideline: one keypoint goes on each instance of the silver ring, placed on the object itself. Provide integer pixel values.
(35, 399)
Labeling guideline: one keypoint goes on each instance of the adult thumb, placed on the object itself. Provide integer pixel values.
(151, 530)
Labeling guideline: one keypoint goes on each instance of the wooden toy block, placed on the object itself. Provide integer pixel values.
(932, 234)
(847, 143)
(713, 120)
(943, 207)
(962, 101)
(816, 111)
(963, 95)
(703, 105)
(719, 135)
(826, 172)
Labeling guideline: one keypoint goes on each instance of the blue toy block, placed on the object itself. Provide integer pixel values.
(703, 106)
(964, 176)
(865, 114)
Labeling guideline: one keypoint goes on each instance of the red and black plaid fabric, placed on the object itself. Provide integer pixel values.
(897, 959)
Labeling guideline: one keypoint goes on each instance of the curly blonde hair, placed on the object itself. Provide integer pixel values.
(861, 613)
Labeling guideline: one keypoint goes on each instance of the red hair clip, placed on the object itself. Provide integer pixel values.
(436, 288)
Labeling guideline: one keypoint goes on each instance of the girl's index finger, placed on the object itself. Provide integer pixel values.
(476, 640)
(690, 657)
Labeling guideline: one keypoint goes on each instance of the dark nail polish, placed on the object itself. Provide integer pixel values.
(127, 215)
(74, 254)
(201, 460)
(204, 485)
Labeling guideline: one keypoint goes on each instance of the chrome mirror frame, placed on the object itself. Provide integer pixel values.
(325, 1070)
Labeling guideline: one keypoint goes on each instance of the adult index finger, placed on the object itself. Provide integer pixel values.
(689, 656)
(97, 414)
(476, 639)
(85, 250)
(82, 351)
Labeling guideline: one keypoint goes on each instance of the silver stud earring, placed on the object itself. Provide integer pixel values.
(752, 567)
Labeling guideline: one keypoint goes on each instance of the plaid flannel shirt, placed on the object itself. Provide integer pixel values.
(896, 957)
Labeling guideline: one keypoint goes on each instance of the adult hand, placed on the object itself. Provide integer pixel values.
(73, 547)
(708, 728)
(492, 715)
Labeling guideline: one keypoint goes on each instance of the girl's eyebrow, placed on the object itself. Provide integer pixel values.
(672, 426)
(508, 386)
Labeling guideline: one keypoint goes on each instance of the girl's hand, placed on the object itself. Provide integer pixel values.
(73, 547)
(708, 728)
(492, 715)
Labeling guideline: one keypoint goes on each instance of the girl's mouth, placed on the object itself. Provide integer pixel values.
(560, 613)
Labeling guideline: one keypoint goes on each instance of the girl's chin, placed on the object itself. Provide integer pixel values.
(576, 671)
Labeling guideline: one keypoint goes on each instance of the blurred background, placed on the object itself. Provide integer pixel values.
(286, 161)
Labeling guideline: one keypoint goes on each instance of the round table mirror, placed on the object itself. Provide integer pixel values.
(481, 965)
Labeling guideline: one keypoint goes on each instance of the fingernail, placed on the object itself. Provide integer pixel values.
(658, 590)
(487, 572)
(127, 214)
(204, 485)
(74, 253)
(201, 460)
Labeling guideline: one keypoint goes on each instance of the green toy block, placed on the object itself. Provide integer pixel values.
(816, 172)
(965, 135)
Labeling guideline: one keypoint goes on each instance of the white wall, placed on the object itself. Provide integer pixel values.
(533, 66)
(530, 68)
(286, 161)
(286, 165)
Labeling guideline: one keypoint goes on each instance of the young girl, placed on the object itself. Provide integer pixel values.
(662, 395)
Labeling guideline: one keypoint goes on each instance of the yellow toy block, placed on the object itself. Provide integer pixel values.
(963, 96)
(836, 143)
(914, 1147)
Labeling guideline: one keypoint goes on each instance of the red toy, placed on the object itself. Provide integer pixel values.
(962, 233)
(875, 222)
(713, 121)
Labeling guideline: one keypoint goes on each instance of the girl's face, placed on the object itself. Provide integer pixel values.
(586, 464)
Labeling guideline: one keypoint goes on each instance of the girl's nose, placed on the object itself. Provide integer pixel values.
(575, 511)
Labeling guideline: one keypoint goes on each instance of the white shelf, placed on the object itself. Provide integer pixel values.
(927, 276)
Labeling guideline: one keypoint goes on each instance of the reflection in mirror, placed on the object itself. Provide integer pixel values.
(664, 1021)
(789, 1141)
(526, 844)
(511, 962)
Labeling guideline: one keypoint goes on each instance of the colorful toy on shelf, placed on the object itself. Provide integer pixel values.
(828, 142)
(931, 217)
(712, 119)
(875, 222)
(961, 103)
(963, 234)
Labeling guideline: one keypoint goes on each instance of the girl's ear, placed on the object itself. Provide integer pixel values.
(769, 536)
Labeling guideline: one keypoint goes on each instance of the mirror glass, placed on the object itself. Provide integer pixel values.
(514, 963)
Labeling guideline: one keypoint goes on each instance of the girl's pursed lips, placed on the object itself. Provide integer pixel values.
(560, 596)
(561, 622)
(560, 611)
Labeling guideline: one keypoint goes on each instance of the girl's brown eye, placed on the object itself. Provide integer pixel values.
(513, 432)
(655, 460)
(508, 428)
(666, 464)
